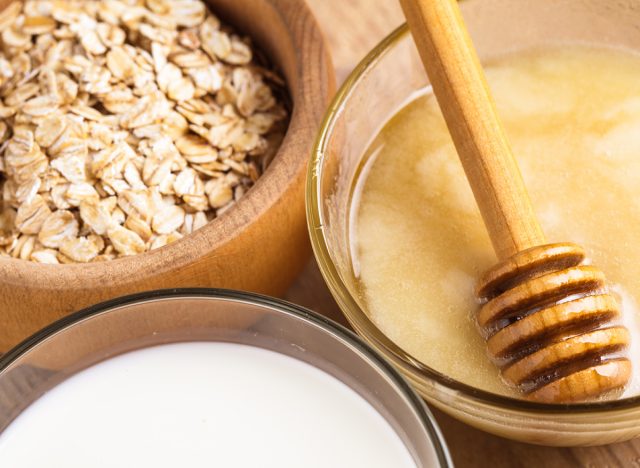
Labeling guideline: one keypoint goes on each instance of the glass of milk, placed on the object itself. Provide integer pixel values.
(201, 378)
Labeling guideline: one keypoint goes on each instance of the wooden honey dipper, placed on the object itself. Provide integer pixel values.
(550, 323)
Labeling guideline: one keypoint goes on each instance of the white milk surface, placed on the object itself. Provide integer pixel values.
(201, 405)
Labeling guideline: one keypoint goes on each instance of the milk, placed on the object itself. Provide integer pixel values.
(201, 405)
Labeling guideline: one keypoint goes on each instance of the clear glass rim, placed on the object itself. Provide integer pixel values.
(327, 325)
(350, 307)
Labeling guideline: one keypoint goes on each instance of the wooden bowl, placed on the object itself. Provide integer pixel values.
(259, 245)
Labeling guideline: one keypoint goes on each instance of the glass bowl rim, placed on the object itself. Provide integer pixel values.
(348, 304)
(328, 326)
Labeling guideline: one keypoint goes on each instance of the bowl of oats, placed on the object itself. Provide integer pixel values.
(152, 144)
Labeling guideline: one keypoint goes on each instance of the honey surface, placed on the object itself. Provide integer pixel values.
(573, 117)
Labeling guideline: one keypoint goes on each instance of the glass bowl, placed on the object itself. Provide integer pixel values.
(181, 315)
(381, 84)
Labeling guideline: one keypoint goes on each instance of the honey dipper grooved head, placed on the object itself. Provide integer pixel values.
(552, 327)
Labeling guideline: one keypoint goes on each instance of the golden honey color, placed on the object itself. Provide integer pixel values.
(573, 117)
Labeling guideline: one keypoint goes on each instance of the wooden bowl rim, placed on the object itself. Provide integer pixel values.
(266, 192)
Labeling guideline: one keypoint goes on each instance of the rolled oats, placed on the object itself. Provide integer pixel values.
(125, 125)
(125, 241)
(49, 256)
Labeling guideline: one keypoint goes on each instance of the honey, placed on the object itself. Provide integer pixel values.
(418, 242)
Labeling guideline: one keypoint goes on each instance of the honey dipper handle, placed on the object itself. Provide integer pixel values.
(468, 108)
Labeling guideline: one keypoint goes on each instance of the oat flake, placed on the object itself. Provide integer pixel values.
(125, 125)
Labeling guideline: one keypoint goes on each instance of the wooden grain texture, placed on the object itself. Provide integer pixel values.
(263, 233)
(352, 28)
